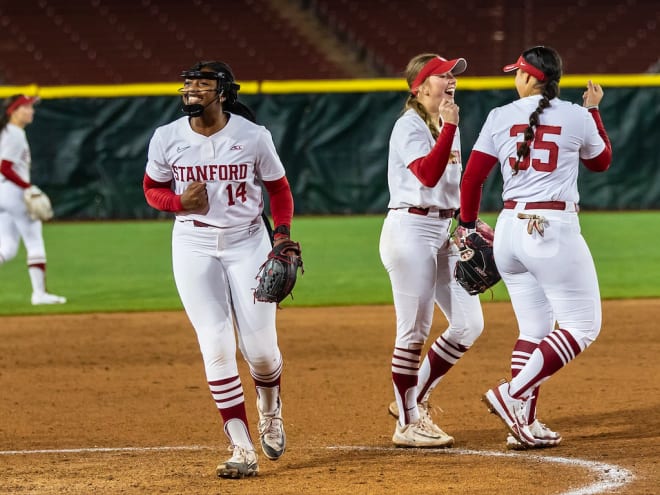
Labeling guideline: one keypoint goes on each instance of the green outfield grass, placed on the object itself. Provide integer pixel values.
(126, 266)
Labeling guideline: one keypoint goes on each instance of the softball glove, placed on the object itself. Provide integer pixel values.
(38, 204)
(277, 276)
(475, 270)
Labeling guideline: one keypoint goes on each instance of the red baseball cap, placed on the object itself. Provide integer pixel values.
(525, 66)
(21, 100)
(438, 65)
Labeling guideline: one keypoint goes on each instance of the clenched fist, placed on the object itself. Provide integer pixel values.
(195, 199)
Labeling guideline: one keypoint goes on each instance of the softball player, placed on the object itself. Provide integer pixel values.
(539, 250)
(424, 170)
(207, 167)
(15, 222)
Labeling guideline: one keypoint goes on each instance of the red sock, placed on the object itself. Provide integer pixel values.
(442, 356)
(555, 351)
(405, 367)
(229, 399)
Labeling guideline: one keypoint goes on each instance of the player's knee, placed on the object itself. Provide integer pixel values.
(585, 335)
(584, 327)
(266, 363)
(468, 330)
(475, 323)
(473, 330)
(8, 252)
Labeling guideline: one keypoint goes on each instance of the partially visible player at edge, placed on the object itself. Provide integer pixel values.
(206, 168)
(15, 221)
(544, 261)
(423, 172)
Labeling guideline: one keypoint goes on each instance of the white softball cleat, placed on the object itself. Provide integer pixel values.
(511, 411)
(424, 417)
(271, 432)
(419, 435)
(544, 437)
(46, 298)
(242, 463)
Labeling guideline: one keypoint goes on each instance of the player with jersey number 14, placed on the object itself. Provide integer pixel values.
(540, 253)
(207, 168)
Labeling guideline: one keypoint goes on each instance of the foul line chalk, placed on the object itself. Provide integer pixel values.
(103, 449)
(608, 476)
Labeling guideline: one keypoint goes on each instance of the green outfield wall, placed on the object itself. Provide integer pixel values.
(89, 143)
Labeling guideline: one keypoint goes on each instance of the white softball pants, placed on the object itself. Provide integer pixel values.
(214, 271)
(420, 261)
(549, 278)
(16, 224)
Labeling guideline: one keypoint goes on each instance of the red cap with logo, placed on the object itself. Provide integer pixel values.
(435, 66)
(525, 66)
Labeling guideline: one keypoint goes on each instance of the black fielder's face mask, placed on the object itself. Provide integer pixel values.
(197, 109)
(224, 86)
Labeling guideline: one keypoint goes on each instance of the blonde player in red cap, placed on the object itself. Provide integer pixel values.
(424, 170)
(15, 221)
(539, 141)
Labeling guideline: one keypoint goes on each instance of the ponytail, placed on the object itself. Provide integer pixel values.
(548, 61)
(413, 103)
(238, 108)
(550, 91)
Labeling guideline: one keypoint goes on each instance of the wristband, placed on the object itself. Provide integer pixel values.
(282, 230)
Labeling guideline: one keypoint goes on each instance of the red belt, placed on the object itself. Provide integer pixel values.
(425, 211)
(197, 223)
(537, 205)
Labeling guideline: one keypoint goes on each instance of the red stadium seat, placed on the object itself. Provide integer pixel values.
(125, 41)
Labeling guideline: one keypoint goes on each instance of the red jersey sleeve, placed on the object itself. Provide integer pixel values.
(159, 195)
(281, 202)
(6, 169)
(430, 168)
(477, 169)
(601, 162)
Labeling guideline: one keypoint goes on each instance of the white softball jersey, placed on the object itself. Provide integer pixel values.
(16, 224)
(566, 133)
(14, 147)
(411, 139)
(231, 162)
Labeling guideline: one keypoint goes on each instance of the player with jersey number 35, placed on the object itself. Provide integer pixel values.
(207, 167)
(540, 253)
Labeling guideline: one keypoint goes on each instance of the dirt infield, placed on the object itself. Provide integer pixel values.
(118, 404)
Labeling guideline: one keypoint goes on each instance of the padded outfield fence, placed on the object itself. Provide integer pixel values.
(89, 143)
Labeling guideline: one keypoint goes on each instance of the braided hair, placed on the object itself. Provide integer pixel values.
(548, 61)
(415, 65)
